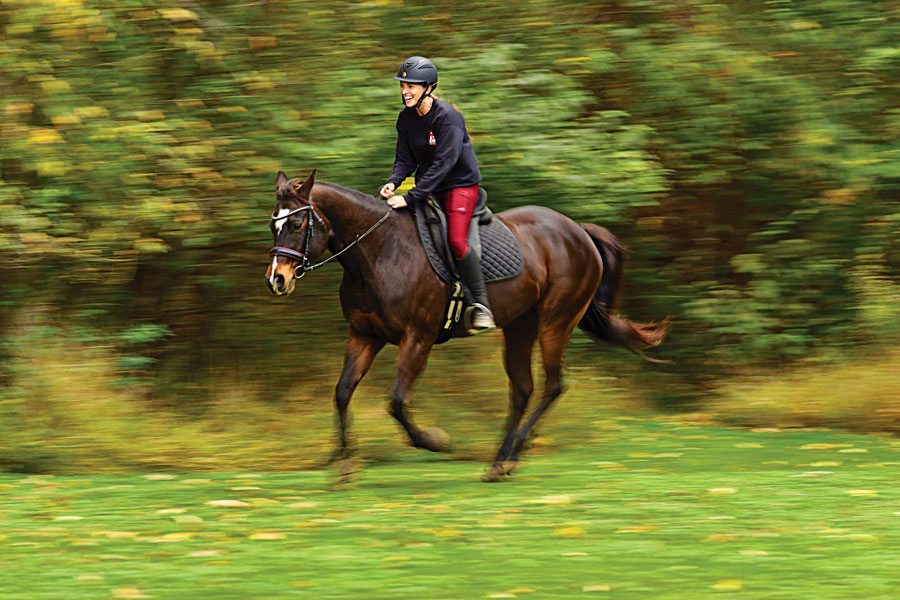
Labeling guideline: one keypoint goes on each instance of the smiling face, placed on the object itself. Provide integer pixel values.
(411, 93)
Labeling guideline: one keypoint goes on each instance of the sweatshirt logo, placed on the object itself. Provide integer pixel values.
(431, 139)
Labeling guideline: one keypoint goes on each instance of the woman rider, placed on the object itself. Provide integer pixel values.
(432, 141)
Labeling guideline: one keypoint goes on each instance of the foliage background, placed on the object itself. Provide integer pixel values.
(745, 152)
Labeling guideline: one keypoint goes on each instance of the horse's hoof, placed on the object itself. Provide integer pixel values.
(495, 474)
(434, 439)
(347, 468)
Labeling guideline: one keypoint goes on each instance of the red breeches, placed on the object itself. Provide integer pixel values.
(459, 204)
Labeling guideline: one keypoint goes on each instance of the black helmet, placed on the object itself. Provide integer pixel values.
(417, 69)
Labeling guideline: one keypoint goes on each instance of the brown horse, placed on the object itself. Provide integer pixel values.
(390, 294)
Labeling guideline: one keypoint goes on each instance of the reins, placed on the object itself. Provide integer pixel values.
(303, 257)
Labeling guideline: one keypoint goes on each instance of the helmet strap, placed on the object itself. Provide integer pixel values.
(425, 95)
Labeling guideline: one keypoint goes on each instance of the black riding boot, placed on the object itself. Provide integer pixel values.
(469, 268)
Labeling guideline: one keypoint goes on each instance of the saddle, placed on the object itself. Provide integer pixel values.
(501, 257)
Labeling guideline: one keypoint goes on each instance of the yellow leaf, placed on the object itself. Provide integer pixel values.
(823, 446)
(721, 537)
(728, 585)
(66, 120)
(159, 477)
(55, 85)
(558, 499)
(636, 529)
(128, 593)
(44, 135)
(569, 531)
(448, 532)
(227, 504)
(188, 519)
(721, 491)
(19, 108)
(269, 535)
(862, 492)
(596, 587)
(178, 14)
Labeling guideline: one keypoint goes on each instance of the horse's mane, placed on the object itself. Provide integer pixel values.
(355, 195)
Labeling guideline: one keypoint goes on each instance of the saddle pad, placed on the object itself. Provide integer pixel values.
(501, 257)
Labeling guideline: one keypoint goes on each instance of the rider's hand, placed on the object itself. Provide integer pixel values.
(397, 202)
(387, 191)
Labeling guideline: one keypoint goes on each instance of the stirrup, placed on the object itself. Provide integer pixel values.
(482, 319)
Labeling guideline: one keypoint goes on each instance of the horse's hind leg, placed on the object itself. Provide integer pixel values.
(519, 337)
(554, 339)
(411, 359)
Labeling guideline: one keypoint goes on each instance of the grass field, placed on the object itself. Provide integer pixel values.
(651, 508)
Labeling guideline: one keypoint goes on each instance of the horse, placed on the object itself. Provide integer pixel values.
(389, 294)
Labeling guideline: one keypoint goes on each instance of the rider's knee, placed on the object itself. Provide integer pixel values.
(459, 247)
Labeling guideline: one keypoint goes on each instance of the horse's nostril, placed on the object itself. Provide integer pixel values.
(279, 281)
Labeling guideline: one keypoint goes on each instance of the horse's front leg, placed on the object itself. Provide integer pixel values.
(361, 351)
(411, 360)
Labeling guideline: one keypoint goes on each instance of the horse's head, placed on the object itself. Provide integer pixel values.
(299, 231)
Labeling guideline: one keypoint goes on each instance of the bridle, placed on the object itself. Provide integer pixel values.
(304, 265)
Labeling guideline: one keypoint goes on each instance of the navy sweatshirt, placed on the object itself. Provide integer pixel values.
(437, 148)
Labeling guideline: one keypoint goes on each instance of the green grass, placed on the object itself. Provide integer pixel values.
(645, 508)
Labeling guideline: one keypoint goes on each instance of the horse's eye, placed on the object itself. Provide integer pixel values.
(297, 226)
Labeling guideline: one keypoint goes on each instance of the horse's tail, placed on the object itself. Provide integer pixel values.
(598, 320)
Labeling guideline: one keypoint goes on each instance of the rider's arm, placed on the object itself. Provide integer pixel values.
(404, 162)
(449, 146)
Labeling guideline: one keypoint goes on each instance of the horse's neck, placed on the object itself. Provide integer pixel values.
(351, 217)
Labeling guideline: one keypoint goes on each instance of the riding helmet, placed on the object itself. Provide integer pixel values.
(417, 69)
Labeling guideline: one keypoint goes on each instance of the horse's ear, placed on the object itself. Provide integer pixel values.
(306, 187)
(280, 181)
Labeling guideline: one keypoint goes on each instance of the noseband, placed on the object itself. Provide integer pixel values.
(302, 258)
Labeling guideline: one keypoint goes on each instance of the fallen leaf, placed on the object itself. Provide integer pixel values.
(728, 585)
(128, 593)
(558, 499)
(823, 446)
(862, 492)
(569, 531)
(753, 553)
(721, 491)
(268, 535)
(228, 504)
(596, 587)
(188, 519)
(159, 477)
